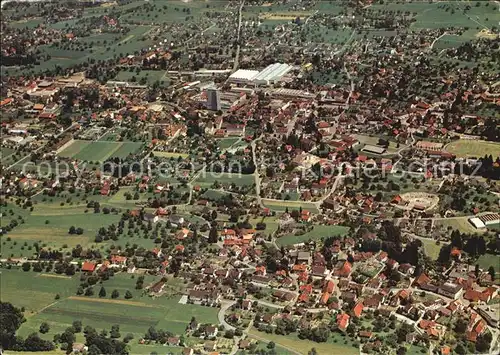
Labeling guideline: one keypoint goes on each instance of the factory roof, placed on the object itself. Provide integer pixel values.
(273, 72)
(244, 74)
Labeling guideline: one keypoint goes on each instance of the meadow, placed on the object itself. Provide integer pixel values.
(100, 150)
(304, 346)
(318, 233)
(37, 291)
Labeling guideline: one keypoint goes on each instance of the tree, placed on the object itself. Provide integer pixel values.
(115, 294)
(11, 319)
(34, 343)
(115, 331)
(213, 235)
(26, 266)
(89, 291)
(271, 345)
(128, 294)
(77, 326)
(461, 326)
(44, 328)
(72, 230)
(102, 292)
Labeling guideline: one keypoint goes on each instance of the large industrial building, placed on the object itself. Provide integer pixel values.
(213, 99)
(268, 76)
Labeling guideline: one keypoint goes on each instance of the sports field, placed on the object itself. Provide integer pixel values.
(279, 205)
(100, 150)
(465, 148)
(317, 233)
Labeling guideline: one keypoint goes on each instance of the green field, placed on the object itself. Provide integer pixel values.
(170, 155)
(487, 260)
(48, 226)
(317, 233)
(304, 346)
(144, 76)
(282, 205)
(431, 248)
(36, 292)
(464, 148)
(99, 151)
(208, 178)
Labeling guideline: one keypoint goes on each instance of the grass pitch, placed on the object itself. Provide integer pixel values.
(463, 148)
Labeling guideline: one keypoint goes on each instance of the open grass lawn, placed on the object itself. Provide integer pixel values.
(278, 205)
(207, 179)
(225, 143)
(462, 224)
(431, 248)
(304, 346)
(53, 234)
(464, 148)
(487, 260)
(170, 155)
(317, 233)
(99, 151)
(150, 76)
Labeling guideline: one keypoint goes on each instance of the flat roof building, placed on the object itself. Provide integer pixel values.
(272, 74)
(476, 222)
(243, 76)
(373, 149)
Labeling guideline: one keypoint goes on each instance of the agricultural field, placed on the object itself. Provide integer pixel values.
(318, 233)
(304, 346)
(37, 291)
(100, 150)
(464, 148)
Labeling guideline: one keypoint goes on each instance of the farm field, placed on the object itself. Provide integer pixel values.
(36, 292)
(464, 148)
(317, 233)
(304, 346)
(48, 226)
(100, 150)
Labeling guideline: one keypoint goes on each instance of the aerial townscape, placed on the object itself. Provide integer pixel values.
(272, 177)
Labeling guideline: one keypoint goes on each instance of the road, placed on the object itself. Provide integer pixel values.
(238, 36)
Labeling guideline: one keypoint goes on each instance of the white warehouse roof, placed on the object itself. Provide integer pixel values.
(244, 74)
(476, 222)
(273, 72)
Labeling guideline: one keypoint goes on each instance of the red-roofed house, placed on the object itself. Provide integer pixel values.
(358, 309)
(88, 266)
(343, 321)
